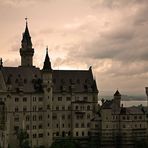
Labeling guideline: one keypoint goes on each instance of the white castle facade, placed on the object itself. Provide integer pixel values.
(46, 103)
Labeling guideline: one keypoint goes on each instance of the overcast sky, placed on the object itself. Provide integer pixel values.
(109, 35)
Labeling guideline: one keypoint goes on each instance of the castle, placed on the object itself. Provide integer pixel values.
(46, 103)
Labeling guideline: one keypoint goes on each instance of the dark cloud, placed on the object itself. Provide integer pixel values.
(115, 3)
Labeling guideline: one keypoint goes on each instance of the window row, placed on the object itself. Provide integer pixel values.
(40, 99)
(69, 98)
(82, 125)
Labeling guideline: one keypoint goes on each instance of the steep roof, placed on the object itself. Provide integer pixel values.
(47, 63)
(26, 40)
(117, 93)
(29, 79)
(22, 77)
(74, 80)
(107, 104)
(131, 110)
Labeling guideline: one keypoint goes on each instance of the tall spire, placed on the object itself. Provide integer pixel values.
(26, 41)
(47, 63)
(26, 51)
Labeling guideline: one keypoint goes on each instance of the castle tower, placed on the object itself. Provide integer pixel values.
(47, 63)
(47, 87)
(26, 50)
(117, 100)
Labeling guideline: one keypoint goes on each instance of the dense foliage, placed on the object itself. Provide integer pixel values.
(22, 137)
(65, 144)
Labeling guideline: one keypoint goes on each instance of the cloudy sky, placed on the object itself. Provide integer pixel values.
(109, 35)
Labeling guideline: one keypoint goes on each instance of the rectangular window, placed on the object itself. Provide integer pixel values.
(85, 98)
(40, 99)
(69, 107)
(40, 108)
(123, 117)
(16, 99)
(68, 99)
(135, 117)
(40, 126)
(34, 135)
(24, 108)
(24, 99)
(34, 108)
(34, 99)
(16, 119)
(57, 107)
(40, 118)
(27, 127)
(16, 128)
(82, 125)
(59, 98)
(27, 118)
(34, 117)
(34, 126)
(77, 125)
(40, 135)
(69, 116)
(69, 125)
(63, 117)
(16, 109)
(54, 116)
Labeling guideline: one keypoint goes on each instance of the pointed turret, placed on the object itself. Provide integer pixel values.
(26, 41)
(47, 63)
(26, 51)
(117, 93)
(117, 100)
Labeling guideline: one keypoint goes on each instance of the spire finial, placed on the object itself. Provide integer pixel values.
(46, 49)
(26, 19)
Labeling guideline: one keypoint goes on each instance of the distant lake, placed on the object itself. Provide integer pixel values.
(132, 103)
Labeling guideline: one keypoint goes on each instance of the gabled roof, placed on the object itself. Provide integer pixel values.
(117, 93)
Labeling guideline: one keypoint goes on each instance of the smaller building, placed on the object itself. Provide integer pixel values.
(121, 126)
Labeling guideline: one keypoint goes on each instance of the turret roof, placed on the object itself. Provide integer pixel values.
(117, 93)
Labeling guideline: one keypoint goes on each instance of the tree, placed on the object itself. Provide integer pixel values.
(142, 143)
(67, 143)
(22, 137)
